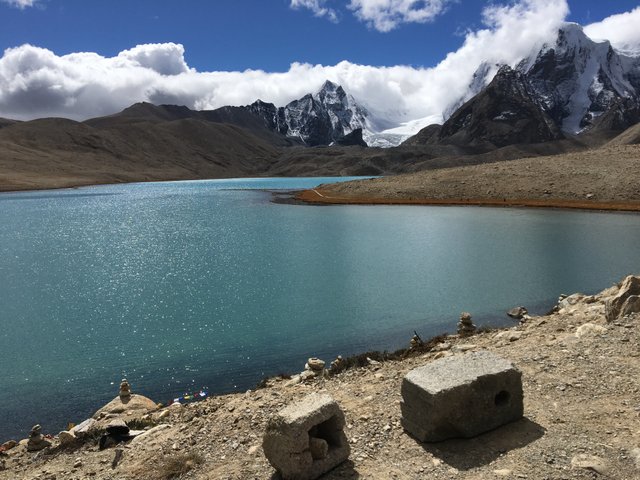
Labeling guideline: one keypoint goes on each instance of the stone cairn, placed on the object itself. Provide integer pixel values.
(466, 327)
(125, 389)
(337, 365)
(36, 440)
(313, 368)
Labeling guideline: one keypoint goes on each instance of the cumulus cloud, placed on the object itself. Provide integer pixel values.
(385, 15)
(621, 30)
(21, 4)
(163, 58)
(317, 7)
(35, 82)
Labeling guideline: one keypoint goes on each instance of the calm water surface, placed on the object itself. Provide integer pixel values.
(184, 285)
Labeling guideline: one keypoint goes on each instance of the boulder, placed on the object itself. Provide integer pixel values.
(461, 397)
(305, 440)
(627, 299)
(133, 404)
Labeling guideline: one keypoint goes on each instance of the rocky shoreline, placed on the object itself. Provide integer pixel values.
(580, 368)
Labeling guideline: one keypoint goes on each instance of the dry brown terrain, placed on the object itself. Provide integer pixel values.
(582, 416)
(605, 178)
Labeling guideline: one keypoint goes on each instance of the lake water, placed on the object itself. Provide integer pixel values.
(183, 285)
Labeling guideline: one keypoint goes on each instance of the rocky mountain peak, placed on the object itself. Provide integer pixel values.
(576, 79)
(504, 113)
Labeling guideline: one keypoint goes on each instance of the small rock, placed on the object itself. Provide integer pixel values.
(253, 450)
(164, 414)
(66, 438)
(465, 347)
(373, 363)
(590, 330)
(509, 335)
(505, 472)
(590, 462)
(294, 380)
(518, 312)
(307, 375)
(84, 428)
(6, 446)
(442, 346)
(318, 447)
(635, 454)
(77, 463)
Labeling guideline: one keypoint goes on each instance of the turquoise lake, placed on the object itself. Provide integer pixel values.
(183, 285)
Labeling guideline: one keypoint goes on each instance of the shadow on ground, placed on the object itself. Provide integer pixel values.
(344, 471)
(465, 454)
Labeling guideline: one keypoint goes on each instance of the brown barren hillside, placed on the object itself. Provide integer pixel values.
(606, 178)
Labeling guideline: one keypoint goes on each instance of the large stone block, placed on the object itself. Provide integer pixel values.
(461, 397)
(305, 440)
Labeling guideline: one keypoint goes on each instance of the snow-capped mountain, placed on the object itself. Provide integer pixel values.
(576, 80)
(322, 118)
(578, 83)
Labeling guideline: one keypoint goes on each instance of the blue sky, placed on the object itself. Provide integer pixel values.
(406, 61)
(257, 34)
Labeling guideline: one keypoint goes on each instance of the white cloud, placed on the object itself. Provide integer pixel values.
(621, 30)
(385, 15)
(35, 82)
(163, 58)
(317, 7)
(21, 4)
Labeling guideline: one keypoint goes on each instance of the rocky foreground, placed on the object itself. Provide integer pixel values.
(581, 377)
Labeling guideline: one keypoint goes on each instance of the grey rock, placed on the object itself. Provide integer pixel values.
(461, 397)
(295, 437)
(85, 427)
(518, 312)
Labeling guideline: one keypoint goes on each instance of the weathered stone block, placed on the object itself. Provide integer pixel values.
(461, 396)
(305, 440)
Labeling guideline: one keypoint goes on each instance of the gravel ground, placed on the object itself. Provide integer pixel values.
(582, 416)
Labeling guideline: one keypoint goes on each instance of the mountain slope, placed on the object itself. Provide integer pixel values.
(576, 79)
(50, 153)
(504, 113)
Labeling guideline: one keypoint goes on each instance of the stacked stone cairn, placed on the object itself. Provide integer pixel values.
(466, 327)
(337, 365)
(125, 389)
(313, 368)
(36, 440)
